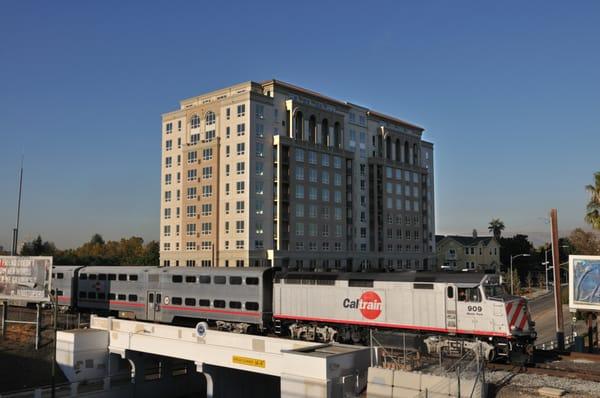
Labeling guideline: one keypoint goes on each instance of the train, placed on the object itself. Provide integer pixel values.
(444, 310)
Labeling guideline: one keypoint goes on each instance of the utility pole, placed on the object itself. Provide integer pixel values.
(560, 334)
(16, 230)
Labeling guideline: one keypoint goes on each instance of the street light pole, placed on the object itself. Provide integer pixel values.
(511, 269)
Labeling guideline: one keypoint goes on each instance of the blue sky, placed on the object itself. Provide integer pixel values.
(509, 92)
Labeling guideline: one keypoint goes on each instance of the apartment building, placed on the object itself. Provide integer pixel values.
(271, 174)
(474, 253)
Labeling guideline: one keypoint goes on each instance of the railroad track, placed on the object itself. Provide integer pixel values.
(548, 370)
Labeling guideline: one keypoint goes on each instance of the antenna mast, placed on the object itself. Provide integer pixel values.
(16, 230)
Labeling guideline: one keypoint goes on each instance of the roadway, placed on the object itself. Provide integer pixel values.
(542, 312)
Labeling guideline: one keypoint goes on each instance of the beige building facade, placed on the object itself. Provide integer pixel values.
(471, 253)
(270, 174)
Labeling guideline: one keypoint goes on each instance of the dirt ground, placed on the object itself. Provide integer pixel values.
(21, 365)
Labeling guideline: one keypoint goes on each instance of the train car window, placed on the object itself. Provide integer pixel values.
(92, 277)
(422, 285)
(309, 282)
(235, 305)
(151, 297)
(111, 296)
(91, 295)
(122, 277)
(251, 306)
(59, 293)
(204, 303)
(176, 300)
(191, 302)
(190, 279)
(292, 281)
(450, 292)
(177, 278)
(360, 283)
(133, 277)
(102, 277)
(83, 276)
(158, 298)
(60, 275)
(235, 280)
(122, 297)
(204, 279)
(82, 295)
(328, 282)
(112, 277)
(219, 303)
(101, 296)
(251, 280)
(471, 295)
(220, 280)
(132, 297)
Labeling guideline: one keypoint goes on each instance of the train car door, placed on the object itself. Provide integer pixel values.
(153, 305)
(451, 308)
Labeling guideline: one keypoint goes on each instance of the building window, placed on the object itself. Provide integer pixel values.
(195, 122)
(260, 111)
(239, 207)
(192, 157)
(259, 228)
(190, 246)
(337, 162)
(240, 187)
(260, 168)
(207, 154)
(325, 160)
(191, 211)
(167, 230)
(207, 172)
(241, 129)
(167, 213)
(260, 149)
(192, 193)
(240, 168)
(259, 206)
(190, 229)
(239, 244)
(168, 162)
(312, 157)
(194, 139)
(325, 230)
(241, 148)
(227, 132)
(299, 210)
(167, 196)
(260, 130)
(168, 145)
(241, 110)
(299, 229)
(299, 173)
(168, 128)
(166, 246)
(324, 194)
(206, 228)
(299, 246)
(325, 177)
(210, 118)
(299, 192)
(299, 155)
(206, 191)
(206, 209)
(258, 244)
(192, 175)
(259, 187)
(312, 193)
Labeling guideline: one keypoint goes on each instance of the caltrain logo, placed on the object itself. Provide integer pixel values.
(369, 304)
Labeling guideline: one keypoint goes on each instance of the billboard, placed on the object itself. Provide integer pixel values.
(584, 283)
(25, 278)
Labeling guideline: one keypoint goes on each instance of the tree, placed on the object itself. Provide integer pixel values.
(97, 240)
(516, 282)
(38, 247)
(583, 242)
(496, 227)
(517, 244)
(592, 215)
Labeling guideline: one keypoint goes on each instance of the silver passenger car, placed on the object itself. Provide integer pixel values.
(64, 284)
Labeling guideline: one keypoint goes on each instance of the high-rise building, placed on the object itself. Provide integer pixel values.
(273, 174)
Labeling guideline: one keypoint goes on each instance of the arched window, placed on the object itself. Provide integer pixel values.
(416, 154)
(406, 154)
(312, 129)
(388, 147)
(298, 126)
(337, 135)
(398, 150)
(325, 132)
(195, 122)
(210, 118)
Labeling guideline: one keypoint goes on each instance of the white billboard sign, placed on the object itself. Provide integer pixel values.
(584, 283)
(25, 278)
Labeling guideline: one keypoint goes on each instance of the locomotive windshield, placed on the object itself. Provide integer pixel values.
(494, 291)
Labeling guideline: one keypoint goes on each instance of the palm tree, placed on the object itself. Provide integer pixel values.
(496, 227)
(592, 215)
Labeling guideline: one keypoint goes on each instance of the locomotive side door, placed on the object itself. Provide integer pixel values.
(451, 309)
(153, 305)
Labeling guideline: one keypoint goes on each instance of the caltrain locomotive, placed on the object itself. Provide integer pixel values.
(444, 309)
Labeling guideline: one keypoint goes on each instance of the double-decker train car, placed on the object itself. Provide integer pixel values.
(64, 285)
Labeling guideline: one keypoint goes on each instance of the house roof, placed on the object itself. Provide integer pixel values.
(465, 240)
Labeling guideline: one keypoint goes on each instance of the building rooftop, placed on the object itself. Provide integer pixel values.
(466, 240)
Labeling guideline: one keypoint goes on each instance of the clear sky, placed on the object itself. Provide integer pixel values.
(509, 92)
